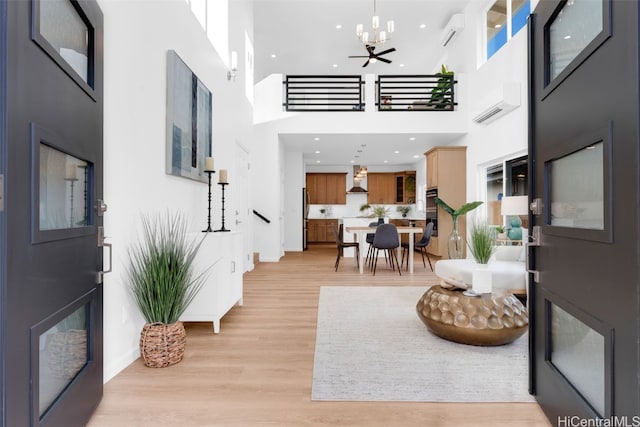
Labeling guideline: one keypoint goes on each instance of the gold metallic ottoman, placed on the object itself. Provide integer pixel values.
(489, 319)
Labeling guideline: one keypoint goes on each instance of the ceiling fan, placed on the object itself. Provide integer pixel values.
(373, 57)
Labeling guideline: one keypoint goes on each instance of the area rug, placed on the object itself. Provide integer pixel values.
(371, 346)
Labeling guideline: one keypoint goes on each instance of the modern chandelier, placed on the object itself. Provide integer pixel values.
(377, 36)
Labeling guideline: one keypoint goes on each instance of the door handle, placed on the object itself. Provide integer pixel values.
(103, 244)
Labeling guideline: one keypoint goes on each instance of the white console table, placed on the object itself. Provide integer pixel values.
(223, 287)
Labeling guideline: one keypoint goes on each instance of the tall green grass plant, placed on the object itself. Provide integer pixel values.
(160, 272)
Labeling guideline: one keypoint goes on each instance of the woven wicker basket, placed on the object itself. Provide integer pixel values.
(162, 345)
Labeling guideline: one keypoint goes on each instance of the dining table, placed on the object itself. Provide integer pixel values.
(361, 232)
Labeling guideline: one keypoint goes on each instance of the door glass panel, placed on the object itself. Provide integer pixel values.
(63, 190)
(63, 353)
(577, 24)
(577, 189)
(577, 351)
(66, 31)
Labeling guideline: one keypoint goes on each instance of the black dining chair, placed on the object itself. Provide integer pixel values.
(386, 238)
(337, 233)
(369, 239)
(421, 244)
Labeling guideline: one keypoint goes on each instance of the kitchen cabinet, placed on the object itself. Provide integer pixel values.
(405, 184)
(327, 188)
(447, 173)
(381, 188)
(319, 230)
(222, 289)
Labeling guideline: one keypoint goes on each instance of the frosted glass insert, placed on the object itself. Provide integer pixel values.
(63, 353)
(577, 351)
(577, 189)
(63, 190)
(577, 24)
(66, 31)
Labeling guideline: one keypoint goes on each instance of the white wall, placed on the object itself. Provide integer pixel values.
(137, 37)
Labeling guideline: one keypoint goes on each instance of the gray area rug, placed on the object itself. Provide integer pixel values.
(371, 346)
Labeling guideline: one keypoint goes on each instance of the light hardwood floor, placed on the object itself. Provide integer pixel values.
(258, 370)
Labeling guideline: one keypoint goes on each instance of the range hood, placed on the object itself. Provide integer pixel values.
(356, 183)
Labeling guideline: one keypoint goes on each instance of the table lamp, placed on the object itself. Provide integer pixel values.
(512, 207)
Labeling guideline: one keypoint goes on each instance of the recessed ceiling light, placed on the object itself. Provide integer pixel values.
(338, 26)
(316, 139)
(416, 156)
(413, 138)
(335, 65)
(353, 161)
(423, 25)
(497, 26)
(386, 161)
(273, 55)
(567, 37)
(317, 151)
(317, 161)
(396, 152)
(401, 65)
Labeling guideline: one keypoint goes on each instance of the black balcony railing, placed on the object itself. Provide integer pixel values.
(415, 93)
(323, 93)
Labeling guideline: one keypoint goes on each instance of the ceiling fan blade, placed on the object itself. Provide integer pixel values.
(384, 52)
(384, 60)
(358, 56)
(366, 63)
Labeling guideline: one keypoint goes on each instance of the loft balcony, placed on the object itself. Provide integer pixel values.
(346, 93)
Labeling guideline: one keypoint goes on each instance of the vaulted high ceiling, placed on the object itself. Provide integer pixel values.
(301, 37)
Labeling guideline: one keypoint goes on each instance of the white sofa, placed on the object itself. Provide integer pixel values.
(507, 266)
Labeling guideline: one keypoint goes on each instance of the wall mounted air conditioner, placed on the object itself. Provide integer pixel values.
(503, 101)
(453, 27)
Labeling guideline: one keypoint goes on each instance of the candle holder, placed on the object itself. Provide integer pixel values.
(223, 184)
(209, 173)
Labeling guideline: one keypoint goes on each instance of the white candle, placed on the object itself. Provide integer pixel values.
(208, 164)
(223, 176)
(71, 172)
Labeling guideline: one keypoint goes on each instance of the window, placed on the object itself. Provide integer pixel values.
(504, 18)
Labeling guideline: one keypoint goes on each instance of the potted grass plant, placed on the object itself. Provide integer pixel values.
(163, 283)
(482, 246)
(379, 212)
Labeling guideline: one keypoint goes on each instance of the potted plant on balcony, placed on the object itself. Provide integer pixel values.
(163, 283)
(455, 244)
(442, 93)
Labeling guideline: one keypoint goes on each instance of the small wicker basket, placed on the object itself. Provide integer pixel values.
(162, 345)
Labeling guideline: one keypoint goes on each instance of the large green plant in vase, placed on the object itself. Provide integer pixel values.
(163, 284)
(456, 244)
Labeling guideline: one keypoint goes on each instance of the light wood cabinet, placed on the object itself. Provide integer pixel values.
(388, 188)
(405, 184)
(432, 169)
(381, 188)
(327, 188)
(319, 230)
(447, 172)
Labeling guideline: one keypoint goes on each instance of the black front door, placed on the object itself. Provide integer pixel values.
(584, 159)
(51, 106)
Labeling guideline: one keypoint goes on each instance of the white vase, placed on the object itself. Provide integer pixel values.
(481, 279)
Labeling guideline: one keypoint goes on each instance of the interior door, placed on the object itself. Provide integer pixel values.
(51, 140)
(241, 203)
(584, 158)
